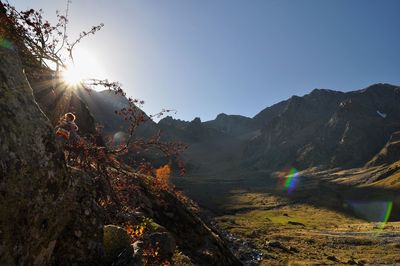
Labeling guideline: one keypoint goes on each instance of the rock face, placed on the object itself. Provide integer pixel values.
(327, 129)
(34, 185)
(48, 213)
(81, 241)
(390, 153)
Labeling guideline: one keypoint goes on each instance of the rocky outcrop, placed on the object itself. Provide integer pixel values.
(48, 213)
(195, 239)
(35, 194)
(390, 153)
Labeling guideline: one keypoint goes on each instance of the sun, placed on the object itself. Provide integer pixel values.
(72, 76)
(85, 66)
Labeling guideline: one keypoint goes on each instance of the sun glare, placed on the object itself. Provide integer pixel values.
(72, 76)
(85, 66)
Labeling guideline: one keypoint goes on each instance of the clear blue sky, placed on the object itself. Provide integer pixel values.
(205, 57)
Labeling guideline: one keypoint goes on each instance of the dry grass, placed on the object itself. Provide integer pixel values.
(314, 224)
(318, 234)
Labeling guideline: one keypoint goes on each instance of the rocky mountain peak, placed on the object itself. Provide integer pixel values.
(221, 116)
(196, 121)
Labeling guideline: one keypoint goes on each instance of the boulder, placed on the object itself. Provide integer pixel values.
(116, 240)
(165, 244)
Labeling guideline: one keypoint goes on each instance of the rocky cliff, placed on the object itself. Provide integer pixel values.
(36, 194)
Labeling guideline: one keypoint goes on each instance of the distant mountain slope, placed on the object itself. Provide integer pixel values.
(235, 125)
(103, 105)
(327, 129)
(323, 129)
(210, 148)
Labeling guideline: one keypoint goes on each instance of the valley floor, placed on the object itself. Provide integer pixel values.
(318, 223)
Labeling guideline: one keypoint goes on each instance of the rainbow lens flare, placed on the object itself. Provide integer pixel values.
(5, 43)
(389, 207)
(288, 179)
(291, 180)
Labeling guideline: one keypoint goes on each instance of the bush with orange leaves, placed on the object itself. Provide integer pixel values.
(135, 232)
(162, 177)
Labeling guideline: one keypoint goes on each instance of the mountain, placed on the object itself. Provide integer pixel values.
(326, 129)
(103, 105)
(323, 129)
(210, 150)
(235, 125)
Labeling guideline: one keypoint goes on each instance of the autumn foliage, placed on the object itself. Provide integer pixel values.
(163, 175)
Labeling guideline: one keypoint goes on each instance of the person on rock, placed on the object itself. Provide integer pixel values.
(67, 129)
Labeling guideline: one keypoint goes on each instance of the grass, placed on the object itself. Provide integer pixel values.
(312, 221)
(321, 234)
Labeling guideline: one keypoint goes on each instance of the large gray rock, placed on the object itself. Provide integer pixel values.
(34, 185)
(116, 241)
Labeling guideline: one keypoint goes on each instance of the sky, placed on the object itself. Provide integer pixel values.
(205, 57)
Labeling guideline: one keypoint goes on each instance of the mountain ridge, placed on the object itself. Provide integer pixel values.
(324, 128)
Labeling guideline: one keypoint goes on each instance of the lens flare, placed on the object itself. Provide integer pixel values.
(119, 138)
(389, 207)
(373, 211)
(6, 43)
(291, 180)
(288, 179)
